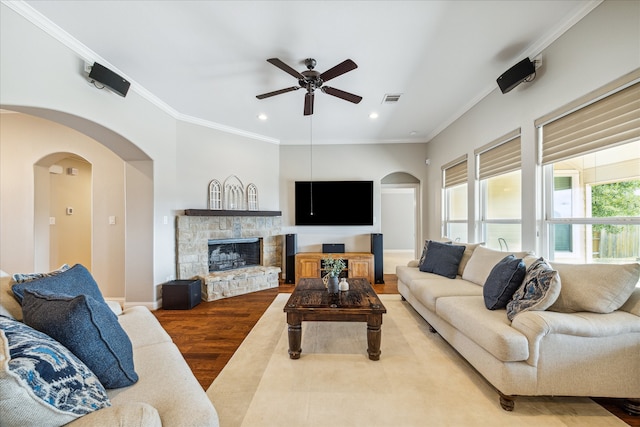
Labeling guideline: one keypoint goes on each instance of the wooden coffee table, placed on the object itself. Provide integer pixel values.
(310, 301)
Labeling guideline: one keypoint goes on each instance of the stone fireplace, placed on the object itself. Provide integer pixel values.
(231, 252)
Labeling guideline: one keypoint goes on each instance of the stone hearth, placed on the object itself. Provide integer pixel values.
(193, 234)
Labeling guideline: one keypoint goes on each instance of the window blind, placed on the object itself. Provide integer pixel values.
(455, 173)
(611, 120)
(500, 156)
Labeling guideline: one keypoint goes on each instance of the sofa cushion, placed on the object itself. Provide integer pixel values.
(540, 289)
(505, 278)
(75, 281)
(167, 384)
(482, 262)
(598, 288)
(489, 329)
(89, 329)
(142, 327)
(126, 414)
(469, 248)
(433, 287)
(42, 382)
(442, 259)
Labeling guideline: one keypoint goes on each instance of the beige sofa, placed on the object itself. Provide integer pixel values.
(540, 353)
(166, 393)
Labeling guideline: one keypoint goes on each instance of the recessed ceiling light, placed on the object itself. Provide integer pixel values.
(262, 116)
(373, 115)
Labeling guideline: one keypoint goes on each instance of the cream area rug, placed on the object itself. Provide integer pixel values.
(418, 381)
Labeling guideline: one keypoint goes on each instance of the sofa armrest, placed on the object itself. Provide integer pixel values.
(535, 325)
(633, 303)
(130, 414)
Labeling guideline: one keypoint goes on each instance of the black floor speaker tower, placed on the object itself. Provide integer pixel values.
(291, 248)
(378, 261)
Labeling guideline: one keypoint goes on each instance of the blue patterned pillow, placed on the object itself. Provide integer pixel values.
(75, 281)
(27, 277)
(504, 279)
(89, 329)
(539, 290)
(42, 382)
(442, 259)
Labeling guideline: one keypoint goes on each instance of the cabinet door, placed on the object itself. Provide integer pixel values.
(308, 268)
(359, 268)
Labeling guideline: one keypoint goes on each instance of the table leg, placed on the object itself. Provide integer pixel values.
(374, 335)
(295, 338)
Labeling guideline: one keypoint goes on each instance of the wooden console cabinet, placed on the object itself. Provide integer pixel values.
(359, 264)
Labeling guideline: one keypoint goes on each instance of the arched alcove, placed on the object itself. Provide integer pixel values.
(62, 211)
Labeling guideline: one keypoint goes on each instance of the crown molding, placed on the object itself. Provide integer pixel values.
(89, 56)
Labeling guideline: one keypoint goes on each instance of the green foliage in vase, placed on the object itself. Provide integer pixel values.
(333, 266)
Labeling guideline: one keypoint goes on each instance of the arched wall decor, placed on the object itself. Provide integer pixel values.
(234, 199)
(252, 197)
(215, 195)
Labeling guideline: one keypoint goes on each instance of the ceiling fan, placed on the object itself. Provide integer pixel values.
(311, 80)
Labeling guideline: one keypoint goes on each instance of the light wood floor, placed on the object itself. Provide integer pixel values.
(211, 332)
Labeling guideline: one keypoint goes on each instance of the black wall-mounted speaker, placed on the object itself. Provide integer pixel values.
(291, 248)
(378, 260)
(113, 81)
(516, 75)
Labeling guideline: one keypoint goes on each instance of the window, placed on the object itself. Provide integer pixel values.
(590, 156)
(499, 173)
(454, 179)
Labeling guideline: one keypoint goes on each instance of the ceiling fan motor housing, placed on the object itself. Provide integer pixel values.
(311, 80)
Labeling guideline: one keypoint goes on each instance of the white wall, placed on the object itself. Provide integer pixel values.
(600, 48)
(343, 162)
(204, 154)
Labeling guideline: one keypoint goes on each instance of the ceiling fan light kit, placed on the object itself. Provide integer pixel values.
(310, 79)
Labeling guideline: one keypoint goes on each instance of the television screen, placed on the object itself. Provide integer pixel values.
(334, 202)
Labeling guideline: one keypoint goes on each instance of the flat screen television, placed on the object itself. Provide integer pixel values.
(334, 202)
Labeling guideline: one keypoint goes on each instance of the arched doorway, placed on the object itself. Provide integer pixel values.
(122, 250)
(400, 222)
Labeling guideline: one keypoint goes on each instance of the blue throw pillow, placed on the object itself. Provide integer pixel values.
(89, 329)
(442, 259)
(42, 382)
(504, 279)
(75, 281)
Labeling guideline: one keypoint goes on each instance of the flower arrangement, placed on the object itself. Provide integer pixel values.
(333, 266)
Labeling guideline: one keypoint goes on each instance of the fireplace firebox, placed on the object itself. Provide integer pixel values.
(230, 254)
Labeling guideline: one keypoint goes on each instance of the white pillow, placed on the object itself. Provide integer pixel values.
(482, 262)
(598, 288)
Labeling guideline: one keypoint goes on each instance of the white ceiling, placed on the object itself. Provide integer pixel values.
(205, 61)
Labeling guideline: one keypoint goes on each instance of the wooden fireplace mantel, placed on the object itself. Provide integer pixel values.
(212, 212)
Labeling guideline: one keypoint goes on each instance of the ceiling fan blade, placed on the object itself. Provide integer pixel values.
(277, 92)
(284, 67)
(308, 103)
(338, 70)
(342, 94)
